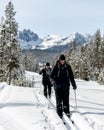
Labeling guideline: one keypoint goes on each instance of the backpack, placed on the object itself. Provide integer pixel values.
(48, 72)
(66, 68)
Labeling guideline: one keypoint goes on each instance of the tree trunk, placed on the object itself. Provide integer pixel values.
(9, 77)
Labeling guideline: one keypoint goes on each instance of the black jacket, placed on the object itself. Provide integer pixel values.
(62, 75)
(46, 74)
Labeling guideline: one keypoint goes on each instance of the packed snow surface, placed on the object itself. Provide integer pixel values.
(24, 108)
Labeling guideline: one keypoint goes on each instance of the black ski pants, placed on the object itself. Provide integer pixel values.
(62, 101)
(47, 88)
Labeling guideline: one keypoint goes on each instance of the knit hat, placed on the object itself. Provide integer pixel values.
(47, 64)
(62, 57)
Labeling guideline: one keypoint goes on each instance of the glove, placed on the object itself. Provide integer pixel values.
(53, 82)
(74, 87)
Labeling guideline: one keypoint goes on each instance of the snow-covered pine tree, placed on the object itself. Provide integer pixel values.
(30, 62)
(87, 61)
(89, 56)
(101, 77)
(101, 62)
(72, 58)
(101, 54)
(84, 64)
(95, 53)
(2, 51)
(11, 52)
(78, 62)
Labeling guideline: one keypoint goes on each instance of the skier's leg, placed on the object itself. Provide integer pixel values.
(66, 106)
(45, 89)
(49, 90)
(58, 94)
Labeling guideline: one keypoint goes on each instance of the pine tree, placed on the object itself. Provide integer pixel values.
(30, 63)
(72, 58)
(101, 62)
(101, 54)
(84, 64)
(11, 29)
(2, 50)
(10, 45)
(96, 62)
(89, 59)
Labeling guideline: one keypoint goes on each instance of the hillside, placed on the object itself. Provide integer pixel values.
(30, 40)
(43, 55)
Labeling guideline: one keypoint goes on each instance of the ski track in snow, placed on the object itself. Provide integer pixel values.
(27, 109)
(86, 119)
(23, 109)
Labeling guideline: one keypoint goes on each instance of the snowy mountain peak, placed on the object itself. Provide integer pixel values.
(28, 35)
(30, 40)
(52, 41)
(52, 37)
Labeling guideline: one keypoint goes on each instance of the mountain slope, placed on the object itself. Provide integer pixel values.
(52, 41)
(30, 40)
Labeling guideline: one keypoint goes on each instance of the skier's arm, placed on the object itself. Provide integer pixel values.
(52, 76)
(41, 72)
(72, 78)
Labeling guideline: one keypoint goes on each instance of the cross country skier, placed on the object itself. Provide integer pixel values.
(46, 80)
(61, 77)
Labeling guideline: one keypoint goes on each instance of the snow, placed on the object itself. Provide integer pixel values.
(50, 41)
(30, 44)
(58, 40)
(24, 108)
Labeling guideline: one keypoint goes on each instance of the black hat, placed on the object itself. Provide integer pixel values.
(62, 57)
(47, 64)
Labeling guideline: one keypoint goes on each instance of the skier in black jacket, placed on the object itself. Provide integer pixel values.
(61, 77)
(46, 80)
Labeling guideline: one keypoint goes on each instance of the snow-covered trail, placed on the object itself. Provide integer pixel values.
(23, 108)
(90, 109)
(90, 100)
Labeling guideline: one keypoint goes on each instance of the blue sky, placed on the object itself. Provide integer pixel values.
(61, 17)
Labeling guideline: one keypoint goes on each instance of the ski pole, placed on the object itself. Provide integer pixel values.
(75, 99)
